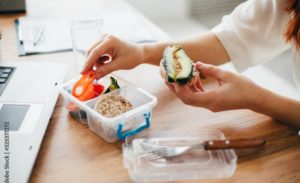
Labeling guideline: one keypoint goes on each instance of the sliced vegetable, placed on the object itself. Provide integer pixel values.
(168, 64)
(176, 65)
(92, 91)
(186, 66)
(113, 85)
(99, 88)
(83, 83)
(85, 88)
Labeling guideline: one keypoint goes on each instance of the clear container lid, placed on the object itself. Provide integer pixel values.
(145, 166)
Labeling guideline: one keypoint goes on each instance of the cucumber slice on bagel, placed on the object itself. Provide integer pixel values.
(177, 67)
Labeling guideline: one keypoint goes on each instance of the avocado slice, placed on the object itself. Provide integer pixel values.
(179, 67)
(168, 60)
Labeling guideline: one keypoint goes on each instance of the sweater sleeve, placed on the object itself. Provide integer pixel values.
(254, 32)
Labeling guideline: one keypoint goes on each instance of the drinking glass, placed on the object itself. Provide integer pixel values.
(85, 32)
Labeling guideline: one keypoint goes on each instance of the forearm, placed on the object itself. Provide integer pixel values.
(204, 47)
(279, 107)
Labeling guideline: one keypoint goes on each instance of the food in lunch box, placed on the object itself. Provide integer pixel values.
(76, 112)
(85, 88)
(113, 85)
(177, 67)
(112, 105)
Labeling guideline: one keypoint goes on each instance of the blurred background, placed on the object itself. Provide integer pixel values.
(181, 18)
(184, 17)
(178, 18)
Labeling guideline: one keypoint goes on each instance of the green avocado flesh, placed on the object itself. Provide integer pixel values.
(178, 65)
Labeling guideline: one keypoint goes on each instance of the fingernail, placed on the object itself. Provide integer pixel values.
(198, 64)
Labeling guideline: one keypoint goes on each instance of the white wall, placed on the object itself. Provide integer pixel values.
(161, 9)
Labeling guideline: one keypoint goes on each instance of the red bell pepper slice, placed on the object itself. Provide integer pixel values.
(98, 88)
(92, 91)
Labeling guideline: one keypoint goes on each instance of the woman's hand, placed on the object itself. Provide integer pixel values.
(237, 92)
(123, 55)
(234, 91)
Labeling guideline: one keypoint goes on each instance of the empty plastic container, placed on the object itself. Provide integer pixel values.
(144, 165)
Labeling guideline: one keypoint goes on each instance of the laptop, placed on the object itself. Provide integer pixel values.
(12, 6)
(28, 94)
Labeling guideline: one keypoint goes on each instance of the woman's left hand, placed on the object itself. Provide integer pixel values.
(234, 91)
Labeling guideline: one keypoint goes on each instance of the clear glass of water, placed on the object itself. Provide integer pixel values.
(85, 32)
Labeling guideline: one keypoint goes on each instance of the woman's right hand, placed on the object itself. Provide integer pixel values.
(124, 55)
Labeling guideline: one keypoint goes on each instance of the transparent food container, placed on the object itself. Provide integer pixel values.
(120, 126)
(146, 166)
(75, 106)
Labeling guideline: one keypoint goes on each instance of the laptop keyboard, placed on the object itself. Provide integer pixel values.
(12, 5)
(5, 75)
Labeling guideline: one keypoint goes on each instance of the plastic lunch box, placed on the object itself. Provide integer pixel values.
(145, 166)
(118, 127)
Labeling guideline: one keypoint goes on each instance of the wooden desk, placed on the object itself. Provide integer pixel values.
(72, 153)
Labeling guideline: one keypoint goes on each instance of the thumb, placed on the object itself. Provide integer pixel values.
(107, 68)
(212, 71)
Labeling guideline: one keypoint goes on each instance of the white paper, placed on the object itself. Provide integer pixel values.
(55, 37)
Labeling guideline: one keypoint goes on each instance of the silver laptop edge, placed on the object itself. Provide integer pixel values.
(34, 87)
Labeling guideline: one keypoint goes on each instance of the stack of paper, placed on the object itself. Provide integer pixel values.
(55, 35)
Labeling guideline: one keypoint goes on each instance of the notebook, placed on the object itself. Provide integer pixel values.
(55, 36)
